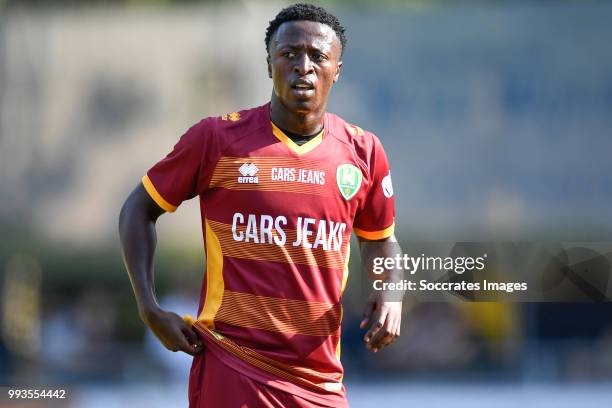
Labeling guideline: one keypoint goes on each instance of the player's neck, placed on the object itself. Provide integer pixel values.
(300, 123)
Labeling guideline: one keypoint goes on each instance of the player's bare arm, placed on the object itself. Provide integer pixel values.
(138, 239)
(383, 310)
(280, 186)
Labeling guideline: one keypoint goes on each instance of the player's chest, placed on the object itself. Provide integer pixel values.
(336, 184)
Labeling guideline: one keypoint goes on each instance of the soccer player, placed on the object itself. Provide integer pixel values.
(281, 188)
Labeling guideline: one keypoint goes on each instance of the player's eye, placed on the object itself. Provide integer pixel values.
(288, 54)
(318, 57)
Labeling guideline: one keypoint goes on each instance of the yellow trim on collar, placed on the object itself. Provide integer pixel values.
(305, 148)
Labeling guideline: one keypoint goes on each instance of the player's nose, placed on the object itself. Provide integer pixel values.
(303, 64)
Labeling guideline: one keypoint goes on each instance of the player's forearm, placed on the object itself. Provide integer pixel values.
(387, 248)
(138, 241)
(383, 309)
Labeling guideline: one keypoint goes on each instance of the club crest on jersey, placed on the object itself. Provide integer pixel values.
(349, 179)
(248, 171)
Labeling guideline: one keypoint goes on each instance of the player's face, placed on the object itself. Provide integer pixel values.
(304, 63)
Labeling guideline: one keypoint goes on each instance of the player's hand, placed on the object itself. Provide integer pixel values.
(384, 319)
(173, 332)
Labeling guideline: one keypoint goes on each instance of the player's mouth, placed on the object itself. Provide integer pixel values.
(302, 87)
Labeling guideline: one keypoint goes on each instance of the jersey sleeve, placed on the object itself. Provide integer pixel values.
(179, 176)
(376, 218)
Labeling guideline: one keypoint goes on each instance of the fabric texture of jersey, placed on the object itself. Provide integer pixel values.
(215, 385)
(276, 220)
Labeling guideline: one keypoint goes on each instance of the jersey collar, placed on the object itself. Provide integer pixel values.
(291, 145)
(305, 148)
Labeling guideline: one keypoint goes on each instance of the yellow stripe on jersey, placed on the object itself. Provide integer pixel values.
(339, 345)
(305, 148)
(345, 271)
(148, 185)
(345, 275)
(372, 235)
(214, 278)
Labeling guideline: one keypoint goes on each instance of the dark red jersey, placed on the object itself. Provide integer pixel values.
(277, 220)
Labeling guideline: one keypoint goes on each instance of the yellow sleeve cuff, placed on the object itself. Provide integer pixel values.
(148, 185)
(372, 235)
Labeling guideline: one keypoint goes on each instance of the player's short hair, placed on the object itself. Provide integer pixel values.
(306, 12)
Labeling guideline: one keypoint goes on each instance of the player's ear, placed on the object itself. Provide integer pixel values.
(338, 69)
(269, 67)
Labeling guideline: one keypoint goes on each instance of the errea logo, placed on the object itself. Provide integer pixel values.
(248, 171)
